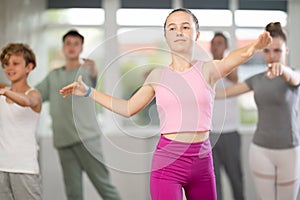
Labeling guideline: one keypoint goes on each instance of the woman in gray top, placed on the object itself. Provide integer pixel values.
(274, 154)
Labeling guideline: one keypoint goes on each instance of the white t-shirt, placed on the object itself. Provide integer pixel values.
(225, 112)
(18, 146)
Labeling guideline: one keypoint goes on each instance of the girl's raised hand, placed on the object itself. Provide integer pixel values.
(260, 43)
(263, 41)
(78, 88)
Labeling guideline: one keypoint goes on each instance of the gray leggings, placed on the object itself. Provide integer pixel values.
(276, 172)
(19, 186)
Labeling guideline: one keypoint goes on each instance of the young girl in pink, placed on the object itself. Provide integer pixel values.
(184, 93)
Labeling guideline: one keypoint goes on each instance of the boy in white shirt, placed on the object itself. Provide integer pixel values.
(20, 107)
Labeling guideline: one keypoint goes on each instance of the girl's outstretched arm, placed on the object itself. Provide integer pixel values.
(126, 108)
(217, 69)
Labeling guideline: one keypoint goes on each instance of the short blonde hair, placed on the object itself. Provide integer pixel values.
(17, 49)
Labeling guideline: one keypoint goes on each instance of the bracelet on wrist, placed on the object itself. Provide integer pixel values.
(88, 92)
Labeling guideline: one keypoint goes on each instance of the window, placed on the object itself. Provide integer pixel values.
(259, 18)
(59, 21)
(141, 44)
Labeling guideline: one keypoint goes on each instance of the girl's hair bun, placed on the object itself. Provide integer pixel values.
(275, 30)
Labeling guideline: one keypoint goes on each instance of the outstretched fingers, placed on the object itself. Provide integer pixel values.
(68, 90)
(274, 70)
(264, 40)
(261, 42)
(78, 88)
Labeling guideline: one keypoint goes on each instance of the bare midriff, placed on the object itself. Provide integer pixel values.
(188, 137)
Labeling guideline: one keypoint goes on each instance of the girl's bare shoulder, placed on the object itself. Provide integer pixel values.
(155, 75)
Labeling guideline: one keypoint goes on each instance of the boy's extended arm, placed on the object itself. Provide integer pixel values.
(32, 100)
(2, 85)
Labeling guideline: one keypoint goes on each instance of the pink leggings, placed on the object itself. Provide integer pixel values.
(178, 165)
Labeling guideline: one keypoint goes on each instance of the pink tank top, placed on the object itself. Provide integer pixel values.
(184, 100)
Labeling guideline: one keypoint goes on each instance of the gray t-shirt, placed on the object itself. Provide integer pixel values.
(277, 104)
(73, 118)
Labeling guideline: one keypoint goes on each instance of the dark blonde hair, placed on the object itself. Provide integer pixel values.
(17, 49)
(275, 30)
